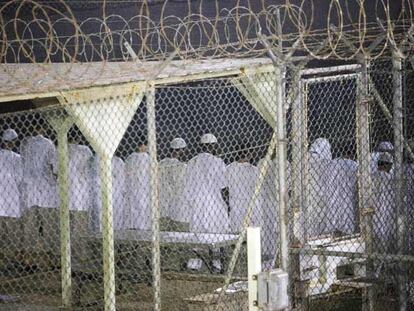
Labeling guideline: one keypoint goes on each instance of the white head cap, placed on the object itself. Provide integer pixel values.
(385, 146)
(321, 148)
(208, 139)
(9, 135)
(178, 143)
(385, 157)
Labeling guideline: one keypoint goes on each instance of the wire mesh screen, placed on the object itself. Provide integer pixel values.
(138, 200)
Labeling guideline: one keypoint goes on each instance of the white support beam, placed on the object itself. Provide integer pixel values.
(103, 121)
(61, 124)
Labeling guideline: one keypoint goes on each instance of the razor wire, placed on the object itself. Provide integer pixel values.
(43, 31)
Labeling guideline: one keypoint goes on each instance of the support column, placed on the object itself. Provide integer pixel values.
(105, 164)
(62, 124)
(152, 146)
(364, 178)
(398, 167)
(95, 113)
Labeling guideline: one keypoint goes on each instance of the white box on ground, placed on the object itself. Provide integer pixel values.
(272, 290)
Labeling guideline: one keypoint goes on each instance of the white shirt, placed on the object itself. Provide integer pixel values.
(11, 176)
(172, 181)
(137, 167)
(119, 204)
(344, 211)
(40, 163)
(80, 177)
(321, 190)
(384, 205)
(241, 179)
(205, 179)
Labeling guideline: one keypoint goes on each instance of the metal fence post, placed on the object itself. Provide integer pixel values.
(298, 165)
(155, 212)
(63, 182)
(282, 166)
(364, 178)
(398, 166)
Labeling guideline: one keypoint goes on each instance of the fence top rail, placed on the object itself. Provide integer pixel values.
(27, 81)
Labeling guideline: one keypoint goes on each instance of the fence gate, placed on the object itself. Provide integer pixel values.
(324, 186)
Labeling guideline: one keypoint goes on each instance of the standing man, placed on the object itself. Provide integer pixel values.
(41, 195)
(120, 210)
(172, 181)
(270, 209)
(241, 177)
(384, 204)
(11, 175)
(40, 166)
(80, 196)
(205, 180)
(321, 189)
(80, 177)
(137, 167)
(345, 203)
(119, 201)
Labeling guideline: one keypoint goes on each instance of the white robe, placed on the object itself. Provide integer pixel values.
(270, 207)
(171, 182)
(384, 216)
(119, 203)
(344, 211)
(241, 179)
(11, 175)
(80, 177)
(321, 190)
(205, 179)
(40, 163)
(138, 190)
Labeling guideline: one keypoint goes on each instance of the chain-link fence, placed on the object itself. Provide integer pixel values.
(140, 199)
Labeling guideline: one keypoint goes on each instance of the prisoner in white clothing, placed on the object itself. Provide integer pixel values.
(120, 211)
(172, 180)
(241, 180)
(119, 203)
(11, 176)
(138, 190)
(270, 206)
(345, 199)
(321, 189)
(40, 165)
(384, 204)
(204, 181)
(80, 177)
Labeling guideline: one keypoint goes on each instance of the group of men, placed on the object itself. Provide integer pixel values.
(203, 193)
(332, 194)
(188, 192)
